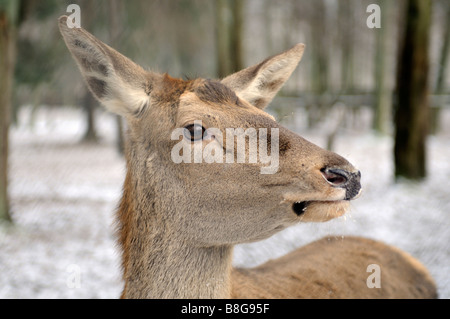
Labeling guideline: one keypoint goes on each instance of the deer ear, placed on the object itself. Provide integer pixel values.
(260, 83)
(119, 84)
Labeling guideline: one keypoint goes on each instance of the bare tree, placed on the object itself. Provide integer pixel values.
(412, 105)
(8, 17)
(115, 14)
(347, 25)
(443, 61)
(89, 105)
(236, 35)
(88, 102)
(229, 19)
(382, 91)
(319, 45)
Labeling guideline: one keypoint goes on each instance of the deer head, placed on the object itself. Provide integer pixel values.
(218, 201)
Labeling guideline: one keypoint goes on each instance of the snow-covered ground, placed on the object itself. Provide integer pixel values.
(64, 194)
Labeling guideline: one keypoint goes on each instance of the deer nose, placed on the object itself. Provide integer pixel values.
(350, 181)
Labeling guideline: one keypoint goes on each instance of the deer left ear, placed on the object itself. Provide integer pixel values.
(260, 83)
(122, 86)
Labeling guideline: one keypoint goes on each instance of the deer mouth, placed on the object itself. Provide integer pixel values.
(320, 211)
(300, 207)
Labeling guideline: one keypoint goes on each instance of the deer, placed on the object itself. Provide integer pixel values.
(177, 222)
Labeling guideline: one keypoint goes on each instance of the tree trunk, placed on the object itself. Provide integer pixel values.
(443, 61)
(222, 36)
(89, 104)
(319, 50)
(412, 106)
(115, 13)
(236, 53)
(229, 23)
(319, 63)
(347, 25)
(8, 15)
(440, 85)
(383, 101)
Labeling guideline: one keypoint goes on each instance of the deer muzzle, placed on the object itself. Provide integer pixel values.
(350, 181)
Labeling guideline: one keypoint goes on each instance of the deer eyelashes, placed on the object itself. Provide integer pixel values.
(195, 132)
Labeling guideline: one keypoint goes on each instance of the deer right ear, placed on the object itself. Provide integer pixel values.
(260, 83)
(122, 86)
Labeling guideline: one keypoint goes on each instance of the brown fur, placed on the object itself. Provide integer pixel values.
(216, 92)
(178, 222)
(331, 275)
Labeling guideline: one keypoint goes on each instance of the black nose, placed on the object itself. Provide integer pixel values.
(350, 181)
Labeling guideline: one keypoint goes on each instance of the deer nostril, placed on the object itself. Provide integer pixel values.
(335, 177)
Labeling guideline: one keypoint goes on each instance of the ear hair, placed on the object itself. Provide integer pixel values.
(260, 83)
(122, 86)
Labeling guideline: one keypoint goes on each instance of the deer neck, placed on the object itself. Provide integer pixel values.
(157, 263)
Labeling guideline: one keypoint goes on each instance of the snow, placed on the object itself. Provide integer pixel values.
(64, 194)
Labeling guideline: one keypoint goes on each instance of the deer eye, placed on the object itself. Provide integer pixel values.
(194, 132)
